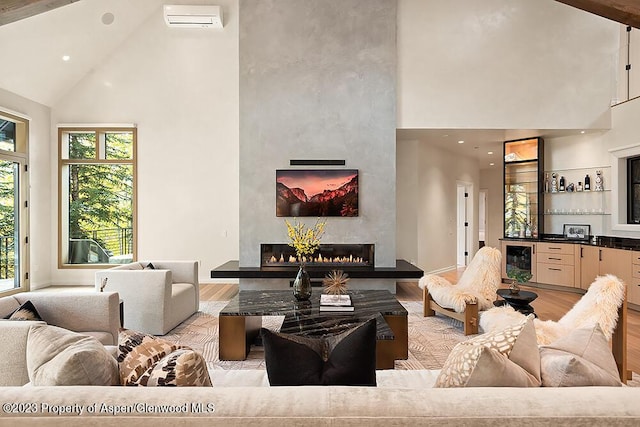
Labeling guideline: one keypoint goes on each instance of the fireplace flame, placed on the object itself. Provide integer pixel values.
(319, 259)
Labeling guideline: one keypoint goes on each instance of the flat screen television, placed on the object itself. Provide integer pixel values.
(317, 192)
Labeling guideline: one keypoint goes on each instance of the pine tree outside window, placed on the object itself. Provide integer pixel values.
(97, 196)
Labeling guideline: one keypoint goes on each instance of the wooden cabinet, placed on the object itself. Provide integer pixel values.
(633, 288)
(589, 265)
(596, 261)
(557, 264)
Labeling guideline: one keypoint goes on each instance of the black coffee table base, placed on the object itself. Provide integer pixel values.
(520, 302)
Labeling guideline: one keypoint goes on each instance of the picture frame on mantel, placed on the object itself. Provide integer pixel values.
(576, 231)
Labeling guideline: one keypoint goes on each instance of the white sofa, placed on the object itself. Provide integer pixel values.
(155, 300)
(402, 398)
(89, 313)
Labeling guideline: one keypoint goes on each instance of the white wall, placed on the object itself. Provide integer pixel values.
(491, 180)
(428, 177)
(39, 179)
(504, 64)
(180, 86)
(573, 157)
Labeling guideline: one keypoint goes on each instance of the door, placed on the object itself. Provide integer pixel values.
(10, 242)
(482, 218)
(463, 233)
(589, 265)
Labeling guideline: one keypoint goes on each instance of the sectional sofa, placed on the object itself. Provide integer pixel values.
(392, 404)
(243, 398)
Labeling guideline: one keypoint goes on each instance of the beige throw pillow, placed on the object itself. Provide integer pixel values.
(506, 358)
(57, 356)
(582, 358)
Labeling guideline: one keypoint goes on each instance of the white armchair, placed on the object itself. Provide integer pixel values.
(155, 300)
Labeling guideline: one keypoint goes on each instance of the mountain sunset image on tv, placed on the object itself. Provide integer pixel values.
(317, 192)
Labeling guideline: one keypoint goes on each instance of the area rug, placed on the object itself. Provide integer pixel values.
(431, 339)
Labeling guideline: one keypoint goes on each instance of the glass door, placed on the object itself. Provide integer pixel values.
(9, 225)
(14, 211)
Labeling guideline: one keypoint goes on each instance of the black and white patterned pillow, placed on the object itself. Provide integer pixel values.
(27, 311)
(145, 360)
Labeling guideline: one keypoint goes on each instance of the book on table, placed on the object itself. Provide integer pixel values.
(337, 308)
(335, 300)
(340, 303)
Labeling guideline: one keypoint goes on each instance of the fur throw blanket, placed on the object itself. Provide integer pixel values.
(478, 284)
(598, 306)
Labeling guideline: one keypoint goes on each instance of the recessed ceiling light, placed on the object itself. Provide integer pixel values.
(65, 58)
(460, 142)
(490, 152)
(445, 135)
(581, 131)
(491, 164)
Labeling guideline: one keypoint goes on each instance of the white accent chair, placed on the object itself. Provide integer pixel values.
(475, 291)
(604, 304)
(155, 300)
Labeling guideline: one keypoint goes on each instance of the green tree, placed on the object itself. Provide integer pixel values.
(7, 218)
(100, 195)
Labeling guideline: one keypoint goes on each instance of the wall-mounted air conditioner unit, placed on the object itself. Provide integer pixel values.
(184, 16)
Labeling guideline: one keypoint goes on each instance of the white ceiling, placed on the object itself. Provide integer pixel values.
(32, 48)
(478, 142)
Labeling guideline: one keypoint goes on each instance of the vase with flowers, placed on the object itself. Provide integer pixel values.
(305, 241)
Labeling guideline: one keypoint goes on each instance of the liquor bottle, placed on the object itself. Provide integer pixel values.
(561, 187)
(546, 183)
(587, 183)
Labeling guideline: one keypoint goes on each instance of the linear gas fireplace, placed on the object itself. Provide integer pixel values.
(328, 256)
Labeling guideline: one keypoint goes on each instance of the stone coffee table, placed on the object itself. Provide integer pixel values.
(241, 319)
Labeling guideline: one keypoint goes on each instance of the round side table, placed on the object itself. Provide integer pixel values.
(520, 302)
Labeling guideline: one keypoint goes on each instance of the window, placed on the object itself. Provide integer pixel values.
(14, 211)
(97, 196)
(633, 190)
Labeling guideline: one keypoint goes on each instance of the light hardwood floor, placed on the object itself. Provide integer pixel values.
(550, 305)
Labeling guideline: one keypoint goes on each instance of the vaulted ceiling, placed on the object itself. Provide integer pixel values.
(624, 11)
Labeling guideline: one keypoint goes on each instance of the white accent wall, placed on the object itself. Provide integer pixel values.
(504, 64)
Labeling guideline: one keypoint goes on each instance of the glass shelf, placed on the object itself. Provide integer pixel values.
(577, 192)
(578, 213)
